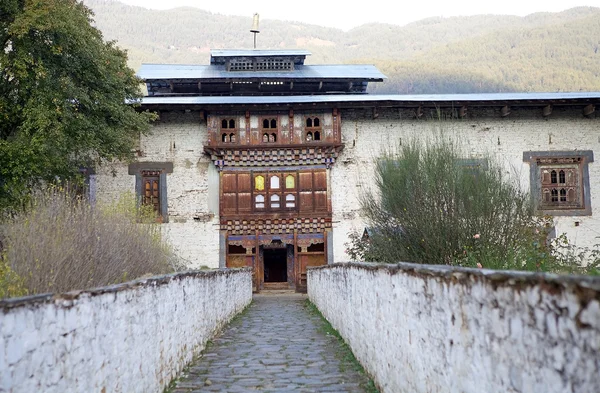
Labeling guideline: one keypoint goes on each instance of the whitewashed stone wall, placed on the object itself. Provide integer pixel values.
(133, 337)
(429, 329)
(482, 132)
(192, 188)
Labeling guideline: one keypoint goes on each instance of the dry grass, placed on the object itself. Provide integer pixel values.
(61, 243)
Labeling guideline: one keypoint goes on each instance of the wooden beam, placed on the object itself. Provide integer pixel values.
(505, 111)
(547, 110)
(589, 110)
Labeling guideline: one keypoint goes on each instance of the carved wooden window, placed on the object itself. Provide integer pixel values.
(228, 131)
(302, 191)
(269, 130)
(260, 201)
(290, 201)
(151, 190)
(274, 182)
(313, 129)
(560, 183)
(259, 183)
(290, 182)
(275, 201)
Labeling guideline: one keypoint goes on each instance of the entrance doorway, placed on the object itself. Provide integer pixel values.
(275, 265)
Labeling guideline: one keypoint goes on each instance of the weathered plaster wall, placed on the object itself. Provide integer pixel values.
(481, 132)
(193, 228)
(192, 188)
(133, 337)
(430, 329)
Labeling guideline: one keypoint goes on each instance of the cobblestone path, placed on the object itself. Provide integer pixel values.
(277, 345)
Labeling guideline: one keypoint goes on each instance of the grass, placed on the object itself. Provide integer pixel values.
(344, 353)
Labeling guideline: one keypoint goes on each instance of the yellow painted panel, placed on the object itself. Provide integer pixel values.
(259, 183)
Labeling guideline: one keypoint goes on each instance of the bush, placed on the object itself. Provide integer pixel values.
(431, 205)
(62, 243)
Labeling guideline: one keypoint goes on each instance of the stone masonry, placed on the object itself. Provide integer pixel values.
(193, 187)
(427, 329)
(128, 338)
(275, 346)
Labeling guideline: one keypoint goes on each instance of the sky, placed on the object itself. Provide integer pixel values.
(345, 15)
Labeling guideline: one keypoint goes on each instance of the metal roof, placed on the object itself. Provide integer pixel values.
(182, 71)
(257, 52)
(507, 98)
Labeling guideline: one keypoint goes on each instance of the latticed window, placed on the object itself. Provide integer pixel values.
(560, 181)
(228, 131)
(269, 127)
(561, 185)
(290, 201)
(259, 202)
(151, 189)
(312, 129)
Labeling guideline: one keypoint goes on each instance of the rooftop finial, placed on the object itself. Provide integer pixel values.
(254, 30)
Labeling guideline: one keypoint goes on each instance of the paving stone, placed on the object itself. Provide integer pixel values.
(276, 346)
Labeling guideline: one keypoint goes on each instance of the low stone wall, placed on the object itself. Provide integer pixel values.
(132, 337)
(430, 329)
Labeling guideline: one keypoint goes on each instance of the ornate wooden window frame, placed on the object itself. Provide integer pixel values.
(228, 130)
(270, 131)
(161, 169)
(313, 133)
(541, 162)
(267, 191)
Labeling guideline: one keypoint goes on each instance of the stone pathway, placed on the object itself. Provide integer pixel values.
(277, 345)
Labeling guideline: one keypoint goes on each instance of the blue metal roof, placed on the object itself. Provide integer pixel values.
(182, 71)
(371, 98)
(257, 52)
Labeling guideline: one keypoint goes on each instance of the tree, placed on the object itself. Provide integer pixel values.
(62, 96)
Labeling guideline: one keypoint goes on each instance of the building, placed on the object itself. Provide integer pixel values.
(258, 159)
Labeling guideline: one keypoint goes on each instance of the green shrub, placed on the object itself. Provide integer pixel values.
(61, 243)
(433, 204)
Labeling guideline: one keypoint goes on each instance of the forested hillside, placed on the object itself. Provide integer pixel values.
(485, 53)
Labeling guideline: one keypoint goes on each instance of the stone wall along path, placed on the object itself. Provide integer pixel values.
(277, 345)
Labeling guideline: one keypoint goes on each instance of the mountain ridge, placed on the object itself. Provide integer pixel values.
(553, 52)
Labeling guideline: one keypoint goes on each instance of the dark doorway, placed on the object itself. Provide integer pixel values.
(275, 265)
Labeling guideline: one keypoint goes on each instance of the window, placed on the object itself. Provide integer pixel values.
(269, 124)
(151, 185)
(259, 202)
(313, 129)
(259, 183)
(290, 181)
(275, 191)
(275, 201)
(269, 128)
(228, 129)
(274, 182)
(290, 201)
(560, 181)
(151, 189)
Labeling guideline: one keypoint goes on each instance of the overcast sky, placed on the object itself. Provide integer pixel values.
(347, 14)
